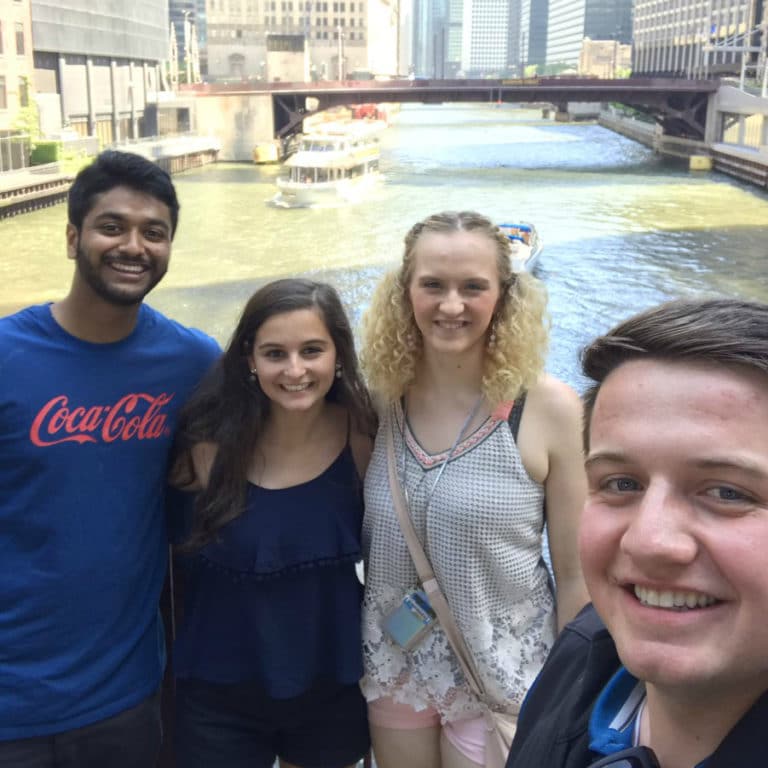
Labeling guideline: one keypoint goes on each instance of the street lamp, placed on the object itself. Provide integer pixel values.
(341, 53)
(187, 45)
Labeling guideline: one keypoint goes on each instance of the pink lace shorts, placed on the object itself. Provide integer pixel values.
(468, 736)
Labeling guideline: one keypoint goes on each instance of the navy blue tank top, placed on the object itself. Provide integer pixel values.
(275, 600)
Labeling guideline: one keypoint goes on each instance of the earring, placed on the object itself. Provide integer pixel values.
(492, 337)
(252, 376)
(338, 370)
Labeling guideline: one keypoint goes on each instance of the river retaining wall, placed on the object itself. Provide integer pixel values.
(748, 164)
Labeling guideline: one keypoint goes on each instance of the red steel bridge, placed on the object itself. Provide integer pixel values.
(679, 105)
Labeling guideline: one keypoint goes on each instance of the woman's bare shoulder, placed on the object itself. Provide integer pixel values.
(553, 399)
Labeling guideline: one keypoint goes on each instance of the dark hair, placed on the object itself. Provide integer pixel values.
(120, 169)
(727, 332)
(230, 409)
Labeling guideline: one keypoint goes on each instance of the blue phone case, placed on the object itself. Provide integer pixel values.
(411, 621)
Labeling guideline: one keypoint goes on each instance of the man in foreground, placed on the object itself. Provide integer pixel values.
(670, 665)
(89, 393)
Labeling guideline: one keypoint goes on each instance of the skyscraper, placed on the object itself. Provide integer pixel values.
(191, 11)
(483, 37)
(534, 17)
(570, 21)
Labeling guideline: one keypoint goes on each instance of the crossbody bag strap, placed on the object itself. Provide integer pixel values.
(426, 574)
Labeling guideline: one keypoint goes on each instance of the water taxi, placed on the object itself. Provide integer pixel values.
(526, 245)
(335, 162)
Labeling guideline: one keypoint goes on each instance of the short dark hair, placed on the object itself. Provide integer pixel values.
(120, 169)
(230, 408)
(729, 332)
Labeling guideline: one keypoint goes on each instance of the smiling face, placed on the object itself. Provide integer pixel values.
(674, 533)
(123, 247)
(454, 290)
(294, 359)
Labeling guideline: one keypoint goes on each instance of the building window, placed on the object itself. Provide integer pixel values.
(23, 92)
(19, 38)
(3, 102)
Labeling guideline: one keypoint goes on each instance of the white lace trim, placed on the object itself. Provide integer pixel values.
(508, 651)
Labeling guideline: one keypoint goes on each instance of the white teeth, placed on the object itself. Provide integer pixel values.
(295, 387)
(676, 601)
(451, 326)
(134, 269)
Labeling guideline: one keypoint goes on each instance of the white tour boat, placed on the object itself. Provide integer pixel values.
(337, 161)
(526, 245)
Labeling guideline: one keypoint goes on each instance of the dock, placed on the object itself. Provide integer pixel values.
(28, 189)
(39, 186)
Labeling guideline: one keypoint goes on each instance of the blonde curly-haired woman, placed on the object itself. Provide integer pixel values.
(454, 347)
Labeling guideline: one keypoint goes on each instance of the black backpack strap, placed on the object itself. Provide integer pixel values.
(516, 414)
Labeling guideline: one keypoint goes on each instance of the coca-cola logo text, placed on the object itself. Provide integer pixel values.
(135, 416)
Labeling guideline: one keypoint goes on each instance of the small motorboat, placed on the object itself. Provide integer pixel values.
(525, 243)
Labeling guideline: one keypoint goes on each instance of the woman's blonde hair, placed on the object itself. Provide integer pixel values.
(392, 342)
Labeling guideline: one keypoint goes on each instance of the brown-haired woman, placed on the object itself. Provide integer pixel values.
(268, 657)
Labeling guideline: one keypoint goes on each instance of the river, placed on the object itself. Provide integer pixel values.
(622, 228)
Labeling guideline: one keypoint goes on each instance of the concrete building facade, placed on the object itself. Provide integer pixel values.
(605, 58)
(96, 66)
(341, 36)
(16, 63)
(695, 38)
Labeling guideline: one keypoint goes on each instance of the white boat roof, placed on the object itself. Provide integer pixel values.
(345, 128)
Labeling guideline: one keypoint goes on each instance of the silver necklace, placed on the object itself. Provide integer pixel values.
(443, 463)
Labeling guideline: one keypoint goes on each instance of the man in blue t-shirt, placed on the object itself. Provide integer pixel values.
(89, 395)
(669, 665)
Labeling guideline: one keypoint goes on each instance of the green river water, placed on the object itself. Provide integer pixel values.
(622, 228)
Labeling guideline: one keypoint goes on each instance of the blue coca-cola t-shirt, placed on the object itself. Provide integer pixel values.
(85, 431)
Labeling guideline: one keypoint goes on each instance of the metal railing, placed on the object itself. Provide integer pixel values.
(14, 152)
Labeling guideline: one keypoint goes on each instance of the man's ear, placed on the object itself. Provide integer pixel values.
(73, 237)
